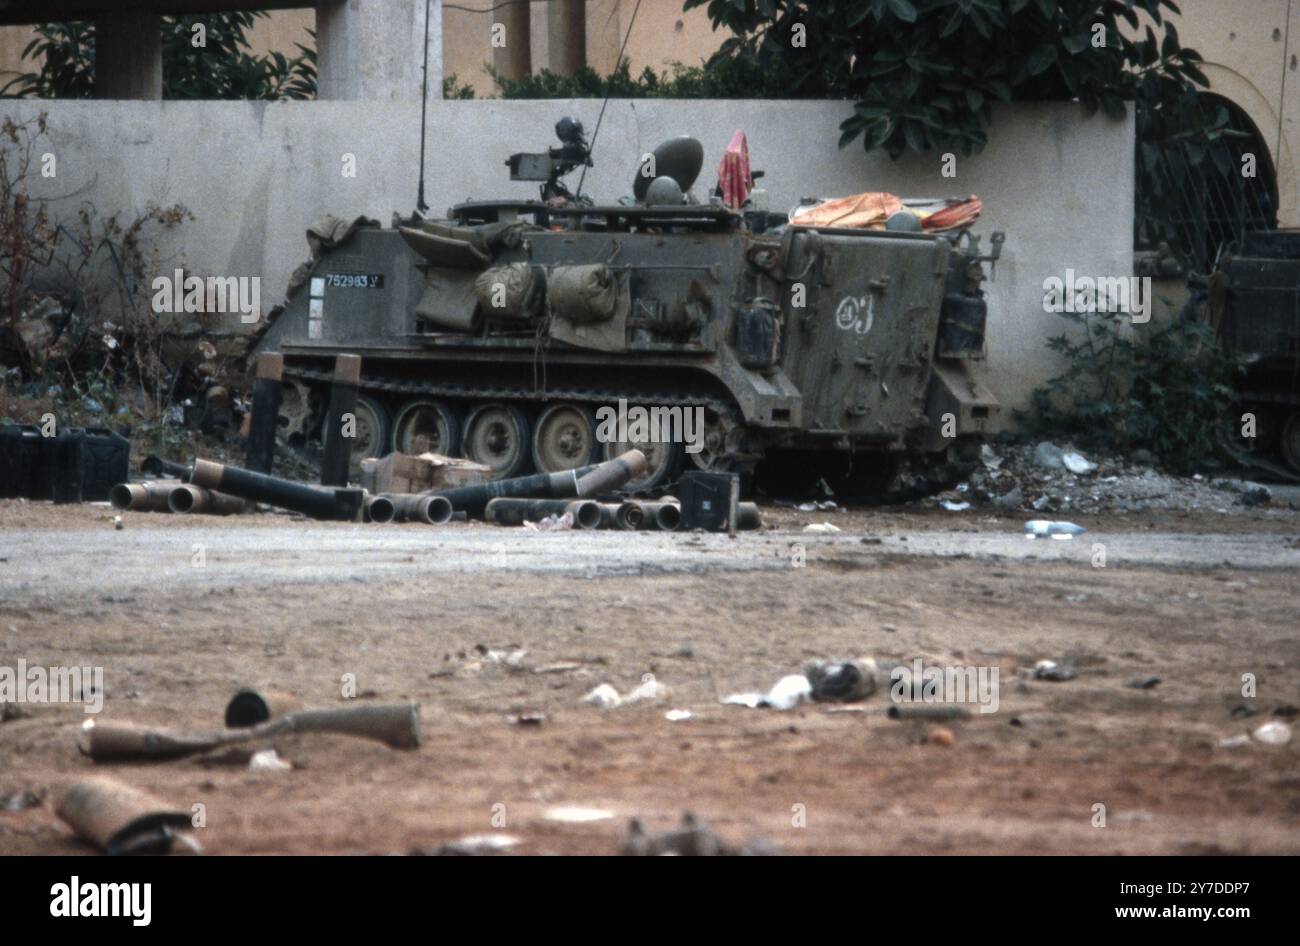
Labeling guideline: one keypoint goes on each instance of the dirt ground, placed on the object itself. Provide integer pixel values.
(438, 614)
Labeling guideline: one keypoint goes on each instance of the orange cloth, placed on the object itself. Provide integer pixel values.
(734, 174)
(861, 211)
(870, 210)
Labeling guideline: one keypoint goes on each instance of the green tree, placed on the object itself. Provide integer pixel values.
(221, 67)
(925, 75)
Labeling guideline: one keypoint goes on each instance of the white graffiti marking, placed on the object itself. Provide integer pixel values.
(856, 314)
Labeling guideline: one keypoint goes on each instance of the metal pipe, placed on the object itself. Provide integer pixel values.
(583, 483)
(665, 516)
(639, 514)
(409, 507)
(187, 498)
(513, 512)
(928, 711)
(474, 499)
(609, 516)
(748, 517)
(157, 466)
(378, 509)
(119, 818)
(630, 515)
(142, 497)
(318, 502)
(398, 725)
(612, 474)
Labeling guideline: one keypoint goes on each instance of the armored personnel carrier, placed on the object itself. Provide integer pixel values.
(511, 330)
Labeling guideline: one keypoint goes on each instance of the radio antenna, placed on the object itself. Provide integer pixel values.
(618, 62)
(420, 205)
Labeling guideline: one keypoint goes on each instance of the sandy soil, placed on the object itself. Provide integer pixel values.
(1196, 599)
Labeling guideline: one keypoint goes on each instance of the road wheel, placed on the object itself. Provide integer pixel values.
(425, 426)
(564, 438)
(498, 435)
(371, 432)
(663, 462)
(1290, 443)
(715, 454)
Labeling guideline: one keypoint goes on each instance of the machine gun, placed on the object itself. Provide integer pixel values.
(554, 163)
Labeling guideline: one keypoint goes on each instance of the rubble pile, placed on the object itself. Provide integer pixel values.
(1049, 478)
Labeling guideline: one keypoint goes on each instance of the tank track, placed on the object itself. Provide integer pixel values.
(508, 393)
(607, 396)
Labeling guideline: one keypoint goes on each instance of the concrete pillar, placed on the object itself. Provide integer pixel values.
(372, 50)
(566, 28)
(511, 34)
(128, 56)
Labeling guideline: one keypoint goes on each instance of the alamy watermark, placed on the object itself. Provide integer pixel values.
(921, 684)
(181, 293)
(651, 425)
(1128, 295)
(24, 684)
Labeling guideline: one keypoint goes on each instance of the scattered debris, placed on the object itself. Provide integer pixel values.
(841, 681)
(678, 715)
(248, 707)
(397, 725)
(927, 711)
(1078, 464)
(1273, 733)
(577, 814)
(941, 737)
(551, 523)
(527, 719)
(821, 527)
(1255, 495)
(788, 692)
(1057, 530)
(606, 697)
(690, 839)
(1143, 683)
(21, 800)
(1039, 477)
(472, 845)
(954, 507)
(123, 820)
(1052, 671)
(1049, 456)
(1234, 742)
(267, 760)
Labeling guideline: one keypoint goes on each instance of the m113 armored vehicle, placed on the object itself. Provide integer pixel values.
(499, 332)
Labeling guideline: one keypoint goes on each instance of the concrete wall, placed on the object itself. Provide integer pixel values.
(256, 174)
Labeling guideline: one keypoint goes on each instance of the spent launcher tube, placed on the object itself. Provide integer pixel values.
(582, 483)
(319, 502)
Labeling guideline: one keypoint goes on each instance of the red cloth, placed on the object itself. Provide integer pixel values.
(734, 174)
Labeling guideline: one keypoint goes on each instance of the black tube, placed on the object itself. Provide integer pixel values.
(513, 512)
(927, 711)
(409, 507)
(187, 498)
(474, 499)
(157, 466)
(583, 482)
(336, 458)
(748, 517)
(315, 501)
(267, 392)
